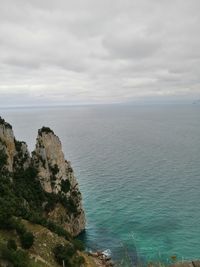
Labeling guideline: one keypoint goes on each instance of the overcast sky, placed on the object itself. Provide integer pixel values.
(98, 51)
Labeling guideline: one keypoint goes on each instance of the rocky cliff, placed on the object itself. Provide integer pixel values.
(60, 197)
(16, 153)
(57, 177)
(7, 144)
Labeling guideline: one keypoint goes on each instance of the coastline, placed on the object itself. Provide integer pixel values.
(101, 259)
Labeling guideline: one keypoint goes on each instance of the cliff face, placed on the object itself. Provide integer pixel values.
(57, 177)
(62, 202)
(17, 155)
(7, 143)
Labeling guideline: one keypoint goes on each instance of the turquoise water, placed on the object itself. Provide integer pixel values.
(139, 173)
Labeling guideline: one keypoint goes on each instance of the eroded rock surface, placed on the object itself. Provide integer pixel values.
(57, 177)
(16, 152)
(7, 143)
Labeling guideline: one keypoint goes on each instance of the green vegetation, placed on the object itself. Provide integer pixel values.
(65, 186)
(78, 244)
(18, 145)
(3, 159)
(52, 200)
(18, 258)
(67, 254)
(8, 201)
(68, 202)
(22, 197)
(45, 130)
(12, 244)
(53, 227)
(9, 251)
(29, 189)
(20, 157)
(2, 121)
(27, 240)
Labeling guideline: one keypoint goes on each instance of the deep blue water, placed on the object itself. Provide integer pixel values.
(139, 172)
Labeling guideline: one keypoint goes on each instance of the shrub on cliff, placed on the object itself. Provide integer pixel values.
(8, 201)
(27, 240)
(65, 186)
(18, 226)
(11, 244)
(68, 254)
(6, 124)
(3, 159)
(28, 188)
(17, 258)
(78, 261)
(53, 227)
(45, 130)
(78, 244)
(69, 203)
(52, 200)
(64, 253)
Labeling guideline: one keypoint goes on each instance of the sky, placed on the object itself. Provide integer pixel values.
(98, 51)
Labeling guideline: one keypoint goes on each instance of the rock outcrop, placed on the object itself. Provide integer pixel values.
(57, 177)
(7, 143)
(17, 154)
(63, 201)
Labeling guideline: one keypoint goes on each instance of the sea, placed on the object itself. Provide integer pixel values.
(138, 167)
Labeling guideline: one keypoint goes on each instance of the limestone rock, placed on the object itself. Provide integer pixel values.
(57, 177)
(49, 160)
(7, 143)
(16, 152)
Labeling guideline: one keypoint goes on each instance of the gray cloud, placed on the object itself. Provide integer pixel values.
(93, 51)
(128, 47)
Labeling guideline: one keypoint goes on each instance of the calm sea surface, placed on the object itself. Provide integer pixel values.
(138, 170)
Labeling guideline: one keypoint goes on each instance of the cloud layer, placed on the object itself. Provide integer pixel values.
(89, 51)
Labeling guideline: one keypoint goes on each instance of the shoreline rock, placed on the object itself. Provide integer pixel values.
(103, 260)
